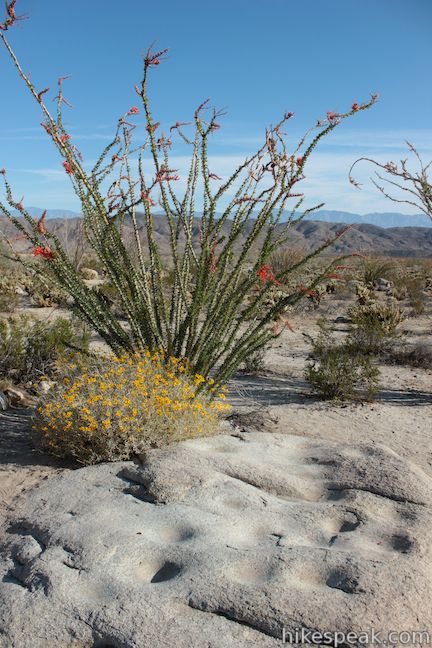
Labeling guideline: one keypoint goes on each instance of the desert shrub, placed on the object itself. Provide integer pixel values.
(8, 302)
(411, 286)
(336, 373)
(9, 299)
(375, 326)
(46, 297)
(374, 268)
(29, 349)
(200, 317)
(285, 258)
(108, 408)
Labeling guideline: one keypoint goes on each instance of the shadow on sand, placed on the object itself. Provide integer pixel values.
(16, 446)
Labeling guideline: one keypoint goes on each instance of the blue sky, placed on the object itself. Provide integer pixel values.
(257, 59)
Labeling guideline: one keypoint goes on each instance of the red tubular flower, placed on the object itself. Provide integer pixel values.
(154, 59)
(145, 196)
(355, 106)
(45, 252)
(152, 127)
(265, 274)
(67, 167)
(133, 111)
(333, 275)
(41, 223)
(20, 206)
(288, 325)
(165, 175)
(12, 17)
(331, 115)
(299, 161)
(64, 138)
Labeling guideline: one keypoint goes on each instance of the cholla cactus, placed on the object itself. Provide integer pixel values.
(365, 295)
(200, 316)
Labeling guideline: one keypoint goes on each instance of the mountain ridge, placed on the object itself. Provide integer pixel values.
(380, 219)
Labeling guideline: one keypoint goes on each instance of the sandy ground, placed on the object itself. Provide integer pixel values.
(400, 418)
(278, 400)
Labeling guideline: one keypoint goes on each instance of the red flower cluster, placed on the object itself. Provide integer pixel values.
(133, 111)
(145, 196)
(45, 252)
(152, 127)
(67, 167)
(165, 175)
(265, 274)
(12, 17)
(355, 106)
(154, 59)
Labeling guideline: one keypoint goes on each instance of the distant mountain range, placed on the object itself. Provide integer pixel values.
(386, 219)
(308, 235)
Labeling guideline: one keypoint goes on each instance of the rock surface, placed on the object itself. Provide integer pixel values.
(219, 543)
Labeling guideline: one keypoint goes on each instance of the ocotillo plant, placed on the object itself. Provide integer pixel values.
(212, 314)
(408, 187)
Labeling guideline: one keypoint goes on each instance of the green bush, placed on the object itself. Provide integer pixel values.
(375, 327)
(336, 373)
(29, 348)
(374, 268)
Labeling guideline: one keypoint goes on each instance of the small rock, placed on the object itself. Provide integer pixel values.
(45, 386)
(382, 285)
(28, 550)
(17, 398)
(89, 274)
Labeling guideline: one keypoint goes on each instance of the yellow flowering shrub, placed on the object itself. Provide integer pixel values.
(109, 409)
